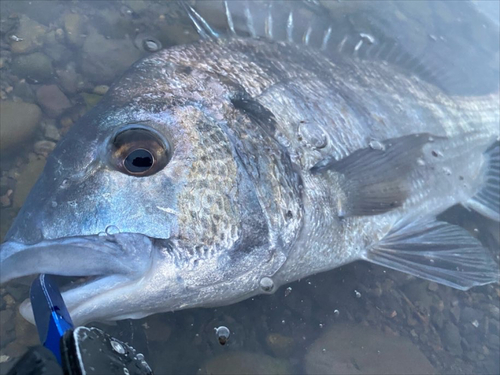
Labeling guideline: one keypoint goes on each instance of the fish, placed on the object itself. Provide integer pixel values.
(222, 169)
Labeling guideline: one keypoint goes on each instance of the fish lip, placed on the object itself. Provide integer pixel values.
(95, 255)
(106, 263)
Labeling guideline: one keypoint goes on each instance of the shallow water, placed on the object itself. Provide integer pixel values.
(57, 59)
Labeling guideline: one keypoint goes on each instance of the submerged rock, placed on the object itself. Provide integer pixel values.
(29, 36)
(35, 66)
(52, 100)
(75, 28)
(90, 100)
(55, 48)
(26, 180)
(356, 349)
(68, 78)
(451, 338)
(105, 59)
(18, 122)
(237, 363)
(280, 345)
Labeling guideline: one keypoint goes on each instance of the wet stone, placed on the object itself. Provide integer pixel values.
(418, 294)
(279, 344)
(8, 24)
(450, 336)
(432, 286)
(22, 89)
(26, 181)
(75, 29)
(52, 100)
(300, 305)
(5, 200)
(18, 291)
(469, 315)
(90, 100)
(455, 312)
(26, 333)
(105, 59)
(68, 78)
(494, 311)
(357, 349)
(55, 49)
(29, 36)
(101, 89)
(6, 326)
(44, 147)
(9, 300)
(437, 318)
(239, 363)
(159, 330)
(36, 67)
(18, 122)
(52, 133)
(3, 62)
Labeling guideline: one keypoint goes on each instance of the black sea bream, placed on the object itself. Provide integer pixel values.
(216, 171)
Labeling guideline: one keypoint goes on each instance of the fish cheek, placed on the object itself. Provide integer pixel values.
(209, 212)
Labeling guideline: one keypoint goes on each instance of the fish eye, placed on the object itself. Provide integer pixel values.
(139, 161)
(139, 152)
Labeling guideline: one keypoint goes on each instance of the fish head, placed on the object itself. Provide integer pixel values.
(152, 198)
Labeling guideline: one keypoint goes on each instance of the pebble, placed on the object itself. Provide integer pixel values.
(18, 123)
(101, 89)
(66, 122)
(9, 300)
(18, 291)
(90, 100)
(450, 335)
(52, 100)
(44, 147)
(432, 286)
(5, 200)
(52, 133)
(494, 311)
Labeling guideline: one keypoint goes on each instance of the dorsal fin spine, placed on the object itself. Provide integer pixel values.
(229, 18)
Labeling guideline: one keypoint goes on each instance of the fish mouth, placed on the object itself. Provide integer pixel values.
(106, 264)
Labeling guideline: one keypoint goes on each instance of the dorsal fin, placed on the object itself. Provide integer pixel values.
(418, 39)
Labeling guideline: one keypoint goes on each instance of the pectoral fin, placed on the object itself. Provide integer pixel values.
(436, 251)
(375, 179)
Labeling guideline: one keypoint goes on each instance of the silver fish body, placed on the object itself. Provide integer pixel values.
(271, 163)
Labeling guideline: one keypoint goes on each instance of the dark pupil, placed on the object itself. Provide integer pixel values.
(139, 161)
